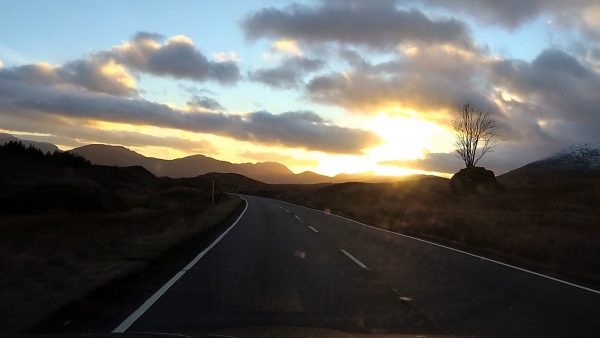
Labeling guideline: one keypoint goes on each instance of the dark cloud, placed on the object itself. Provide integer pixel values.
(509, 13)
(375, 24)
(288, 74)
(176, 57)
(557, 83)
(293, 129)
(514, 13)
(69, 135)
(555, 105)
(204, 102)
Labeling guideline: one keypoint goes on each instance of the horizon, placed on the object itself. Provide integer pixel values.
(254, 82)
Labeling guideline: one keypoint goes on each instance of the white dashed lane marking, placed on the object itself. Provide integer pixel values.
(354, 259)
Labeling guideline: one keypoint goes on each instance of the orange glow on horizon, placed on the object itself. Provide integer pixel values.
(405, 136)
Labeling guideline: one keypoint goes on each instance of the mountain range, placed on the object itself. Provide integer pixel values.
(194, 165)
(583, 158)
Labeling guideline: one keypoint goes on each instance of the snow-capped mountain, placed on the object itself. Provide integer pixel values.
(579, 159)
(576, 157)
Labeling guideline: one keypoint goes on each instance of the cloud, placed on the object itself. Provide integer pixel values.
(423, 78)
(508, 13)
(288, 74)
(581, 14)
(562, 90)
(287, 46)
(226, 56)
(379, 25)
(176, 57)
(204, 103)
(292, 129)
(93, 75)
(100, 76)
(108, 71)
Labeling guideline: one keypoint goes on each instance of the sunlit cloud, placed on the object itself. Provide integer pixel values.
(287, 46)
(230, 56)
(25, 92)
(177, 57)
(346, 86)
(427, 79)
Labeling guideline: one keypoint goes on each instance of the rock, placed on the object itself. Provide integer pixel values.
(472, 179)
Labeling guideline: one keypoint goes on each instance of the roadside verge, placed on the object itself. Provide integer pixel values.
(104, 307)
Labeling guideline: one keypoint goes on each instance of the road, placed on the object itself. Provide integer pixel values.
(286, 265)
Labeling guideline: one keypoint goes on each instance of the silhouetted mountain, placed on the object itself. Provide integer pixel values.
(191, 166)
(194, 165)
(34, 182)
(43, 146)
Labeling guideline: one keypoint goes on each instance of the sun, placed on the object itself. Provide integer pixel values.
(406, 137)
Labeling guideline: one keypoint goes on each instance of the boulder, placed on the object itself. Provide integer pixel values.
(472, 179)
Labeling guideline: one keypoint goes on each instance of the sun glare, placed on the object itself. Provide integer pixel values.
(406, 137)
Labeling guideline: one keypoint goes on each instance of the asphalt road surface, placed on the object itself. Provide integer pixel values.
(286, 265)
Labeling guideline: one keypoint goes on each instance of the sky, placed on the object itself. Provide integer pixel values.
(331, 86)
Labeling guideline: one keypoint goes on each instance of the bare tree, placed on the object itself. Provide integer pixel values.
(476, 133)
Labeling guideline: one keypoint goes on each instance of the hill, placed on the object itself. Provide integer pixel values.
(573, 164)
(43, 146)
(69, 227)
(34, 182)
(194, 165)
(191, 166)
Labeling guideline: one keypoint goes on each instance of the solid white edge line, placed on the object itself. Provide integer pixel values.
(354, 259)
(456, 250)
(132, 318)
(313, 229)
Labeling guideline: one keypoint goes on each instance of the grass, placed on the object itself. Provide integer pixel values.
(550, 226)
(49, 260)
(69, 227)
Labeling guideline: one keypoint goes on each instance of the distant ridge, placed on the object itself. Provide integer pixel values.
(43, 146)
(194, 165)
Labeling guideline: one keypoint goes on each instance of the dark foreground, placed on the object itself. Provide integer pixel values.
(283, 265)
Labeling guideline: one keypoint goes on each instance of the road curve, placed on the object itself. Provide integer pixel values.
(286, 265)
